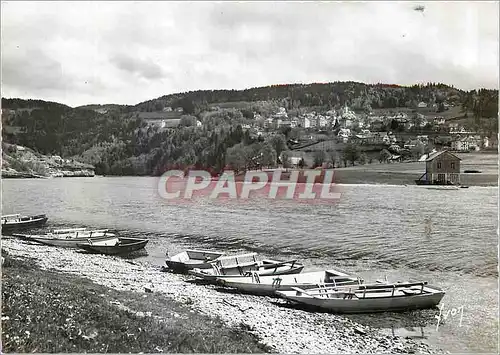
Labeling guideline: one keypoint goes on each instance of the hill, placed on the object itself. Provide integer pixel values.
(356, 95)
(123, 139)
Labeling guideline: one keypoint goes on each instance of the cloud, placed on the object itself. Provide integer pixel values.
(127, 52)
(145, 68)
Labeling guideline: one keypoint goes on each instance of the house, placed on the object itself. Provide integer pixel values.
(179, 109)
(305, 122)
(424, 139)
(281, 113)
(171, 123)
(294, 157)
(199, 124)
(167, 109)
(439, 121)
(464, 144)
(422, 104)
(284, 123)
(268, 122)
(412, 143)
(321, 121)
(379, 138)
(441, 168)
(453, 127)
(344, 134)
(347, 114)
(394, 148)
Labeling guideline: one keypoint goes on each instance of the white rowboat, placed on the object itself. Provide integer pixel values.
(267, 285)
(245, 265)
(69, 238)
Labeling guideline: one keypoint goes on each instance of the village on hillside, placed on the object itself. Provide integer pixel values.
(314, 137)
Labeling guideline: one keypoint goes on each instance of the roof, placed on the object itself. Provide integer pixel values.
(437, 154)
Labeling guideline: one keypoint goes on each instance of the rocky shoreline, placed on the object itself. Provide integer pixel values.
(283, 329)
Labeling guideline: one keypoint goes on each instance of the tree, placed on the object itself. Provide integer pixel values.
(333, 158)
(384, 156)
(363, 158)
(268, 155)
(394, 125)
(286, 131)
(247, 113)
(278, 142)
(285, 160)
(237, 157)
(319, 158)
(418, 150)
(187, 121)
(351, 153)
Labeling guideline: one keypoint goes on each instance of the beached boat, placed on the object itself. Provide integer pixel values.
(68, 238)
(267, 285)
(114, 246)
(245, 265)
(11, 222)
(192, 259)
(381, 297)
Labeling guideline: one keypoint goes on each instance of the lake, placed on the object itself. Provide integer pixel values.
(447, 237)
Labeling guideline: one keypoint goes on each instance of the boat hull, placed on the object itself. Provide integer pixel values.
(367, 305)
(208, 274)
(192, 259)
(65, 243)
(128, 245)
(268, 285)
(25, 223)
(181, 267)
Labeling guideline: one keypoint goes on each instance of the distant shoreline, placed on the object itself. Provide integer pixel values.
(398, 178)
(346, 176)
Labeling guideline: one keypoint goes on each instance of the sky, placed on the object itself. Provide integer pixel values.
(101, 52)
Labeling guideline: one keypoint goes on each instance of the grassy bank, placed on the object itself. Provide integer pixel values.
(359, 176)
(407, 173)
(47, 312)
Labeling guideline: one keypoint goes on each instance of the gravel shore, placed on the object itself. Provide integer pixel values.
(283, 329)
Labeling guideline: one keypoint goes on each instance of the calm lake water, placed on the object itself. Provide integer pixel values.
(405, 232)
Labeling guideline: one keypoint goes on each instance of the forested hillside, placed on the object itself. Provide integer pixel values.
(118, 141)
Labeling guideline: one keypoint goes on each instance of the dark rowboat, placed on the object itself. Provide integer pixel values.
(13, 222)
(192, 259)
(115, 246)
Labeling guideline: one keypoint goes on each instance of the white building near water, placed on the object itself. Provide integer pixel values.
(304, 122)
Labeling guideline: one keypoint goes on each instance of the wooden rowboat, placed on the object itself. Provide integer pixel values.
(68, 238)
(383, 297)
(192, 259)
(267, 285)
(12, 222)
(245, 265)
(114, 246)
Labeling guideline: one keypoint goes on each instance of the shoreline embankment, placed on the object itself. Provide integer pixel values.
(276, 327)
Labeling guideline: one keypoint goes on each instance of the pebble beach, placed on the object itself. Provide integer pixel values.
(280, 327)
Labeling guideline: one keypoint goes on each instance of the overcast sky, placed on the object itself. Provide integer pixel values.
(128, 52)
